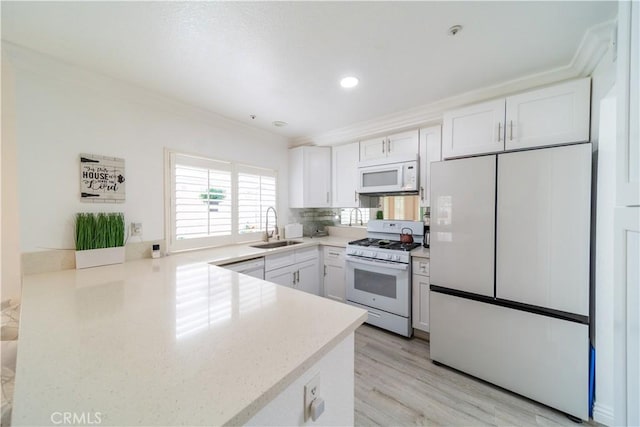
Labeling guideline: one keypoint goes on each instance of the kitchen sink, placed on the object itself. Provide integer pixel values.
(277, 244)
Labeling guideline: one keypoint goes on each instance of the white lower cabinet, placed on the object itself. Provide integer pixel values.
(420, 289)
(334, 273)
(308, 277)
(298, 269)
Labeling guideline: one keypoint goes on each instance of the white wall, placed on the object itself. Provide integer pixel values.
(62, 111)
(604, 274)
(603, 139)
(10, 247)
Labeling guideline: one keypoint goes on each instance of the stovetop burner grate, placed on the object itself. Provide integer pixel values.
(385, 244)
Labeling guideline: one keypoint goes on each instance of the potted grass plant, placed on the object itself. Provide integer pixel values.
(99, 239)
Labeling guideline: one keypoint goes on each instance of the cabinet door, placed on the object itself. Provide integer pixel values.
(309, 177)
(296, 177)
(475, 129)
(555, 115)
(308, 274)
(626, 302)
(543, 227)
(404, 143)
(317, 177)
(344, 174)
(334, 256)
(282, 276)
(420, 287)
(462, 224)
(628, 118)
(371, 149)
(334, 282)
(430, 151)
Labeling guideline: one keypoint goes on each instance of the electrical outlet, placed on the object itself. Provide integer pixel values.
(311, 392)
(136, 229)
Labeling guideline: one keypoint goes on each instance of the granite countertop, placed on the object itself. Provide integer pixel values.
(236, 253)
(167, 341)
(420, 252)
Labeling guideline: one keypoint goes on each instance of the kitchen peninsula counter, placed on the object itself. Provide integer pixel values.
(169, 341)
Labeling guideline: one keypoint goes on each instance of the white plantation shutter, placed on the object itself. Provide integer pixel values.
(202, 202)
(256, 192)
(215, 203)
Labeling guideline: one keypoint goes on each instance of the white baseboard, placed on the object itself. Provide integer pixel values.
(603, 414)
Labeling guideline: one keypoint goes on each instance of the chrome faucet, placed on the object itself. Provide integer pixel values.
(267, 235)
(357, 211)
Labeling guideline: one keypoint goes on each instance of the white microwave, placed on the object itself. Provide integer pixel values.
(389, 175)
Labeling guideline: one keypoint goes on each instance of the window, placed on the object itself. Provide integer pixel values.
(256, 192)
(346, 214)
(215, 203)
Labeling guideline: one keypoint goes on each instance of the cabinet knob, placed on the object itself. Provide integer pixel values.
(499, 130)
(383, 146)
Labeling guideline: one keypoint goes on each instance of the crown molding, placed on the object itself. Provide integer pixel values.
(592, 48)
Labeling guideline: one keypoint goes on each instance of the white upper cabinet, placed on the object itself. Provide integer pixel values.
(549, 116)
(397, 144)
(310, 177)
(402, 143)
(628, 111)
(554, 115)
(430, 151)
(475, 129)
(344, 175)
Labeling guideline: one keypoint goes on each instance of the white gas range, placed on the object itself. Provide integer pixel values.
(378, 273)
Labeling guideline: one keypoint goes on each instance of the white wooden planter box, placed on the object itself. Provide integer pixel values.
(97, 257)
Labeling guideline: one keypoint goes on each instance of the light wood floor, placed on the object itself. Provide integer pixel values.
(398, 385)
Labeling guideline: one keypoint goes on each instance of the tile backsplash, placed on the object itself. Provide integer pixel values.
(314, 219)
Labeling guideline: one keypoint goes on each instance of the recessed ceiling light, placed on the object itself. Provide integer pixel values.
(349, 82)
(279, 123)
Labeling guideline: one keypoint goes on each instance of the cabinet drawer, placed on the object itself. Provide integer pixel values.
(421, 266)
(306, 254)
(279, 260)
(333, 256)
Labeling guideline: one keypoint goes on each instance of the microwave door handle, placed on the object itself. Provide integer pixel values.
(379, 264)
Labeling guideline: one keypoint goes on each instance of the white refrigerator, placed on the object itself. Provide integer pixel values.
(509, 284)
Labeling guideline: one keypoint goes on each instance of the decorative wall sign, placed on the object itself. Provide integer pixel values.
(101, 179)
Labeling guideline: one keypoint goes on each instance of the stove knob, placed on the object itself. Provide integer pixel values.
(371, 254)
(389, 256)
(359, 253)
(396, 257)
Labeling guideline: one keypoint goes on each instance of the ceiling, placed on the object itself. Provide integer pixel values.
(283, 60)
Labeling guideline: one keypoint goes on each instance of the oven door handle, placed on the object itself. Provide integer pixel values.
(379, 264)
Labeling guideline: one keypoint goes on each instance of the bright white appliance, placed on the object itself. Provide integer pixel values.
(252, 267)
(389, 175)
(509, 298)
(378, 273)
